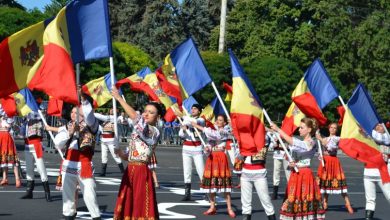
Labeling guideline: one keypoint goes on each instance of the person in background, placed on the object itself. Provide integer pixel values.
(331, 177)
(108, 142)
(8, 153)
(217, 177)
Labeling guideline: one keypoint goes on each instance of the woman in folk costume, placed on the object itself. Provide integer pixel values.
(8, 153)
(331, 177)
(303, 197)
(137, 196)
(217, 177)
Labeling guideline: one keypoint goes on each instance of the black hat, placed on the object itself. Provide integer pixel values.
(198, 106)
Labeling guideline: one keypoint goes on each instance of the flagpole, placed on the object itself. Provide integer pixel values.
(50, 133)
(220, 100)
(281, 141)
(320, 152)
(114, 101)
(342, 101)
(196, 130)
(78, 96)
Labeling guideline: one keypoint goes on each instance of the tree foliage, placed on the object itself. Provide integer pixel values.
(349, 37)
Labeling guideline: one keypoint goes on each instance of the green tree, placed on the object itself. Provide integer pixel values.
(13, 20)
(195, 21)
(55, 6)
(11, 4)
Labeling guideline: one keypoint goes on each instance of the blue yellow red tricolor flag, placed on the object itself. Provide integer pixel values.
(79, 32)
(314, 92)
(355, 142)
(184, 71)
(99, 89)
(20, 103)
(292, 119)
(170, 103)
(138, 85)
(211, 110)
(246, 112)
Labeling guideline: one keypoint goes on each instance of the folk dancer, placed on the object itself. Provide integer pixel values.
(33, 150)
(217, 177)
(331, 177)
(371, 174)
(192, 149)
(108, 142)
(303, 196)
(137, 196)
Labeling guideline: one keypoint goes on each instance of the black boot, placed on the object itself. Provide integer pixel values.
(369, 215)
(104, 168)
(97, 218)
(275, 193)
(47, 190)
(187, 194)
(120, 165)
(246, 217)
(29, 190)
(272, 217)
(69, 217)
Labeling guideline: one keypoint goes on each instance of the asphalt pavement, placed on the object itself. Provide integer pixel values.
(170, 175)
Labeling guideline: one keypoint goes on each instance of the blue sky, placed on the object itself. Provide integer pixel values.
(30, 4)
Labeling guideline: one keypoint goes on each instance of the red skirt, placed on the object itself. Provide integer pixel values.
(217, 176)
(137, 196)
(331, 177)
(153, 162)
(8, 153)
(303, 198)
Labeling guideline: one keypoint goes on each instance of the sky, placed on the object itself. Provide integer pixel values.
(30, 4)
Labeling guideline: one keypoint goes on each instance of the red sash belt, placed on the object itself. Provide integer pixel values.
(249, 166)
(85, 157)
(37, 143)
(192, 143)
(108, 135)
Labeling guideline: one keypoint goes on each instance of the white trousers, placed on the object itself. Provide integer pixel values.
(187, 166)
(370, 192)
(29, 157)
(109, 147)
(87, 185)
(262, 191)
(278, 164)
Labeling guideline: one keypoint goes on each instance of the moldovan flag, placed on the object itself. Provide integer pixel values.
(20, 58)
(138, 85)
(20, 103)
(229, 91)
(184, 71)
(54, 107)
(314, 92)
(292, 119)
(211, 110)
(355, 143)
(79, 32)
(246, 112)
(170, 103)
(99, 89)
